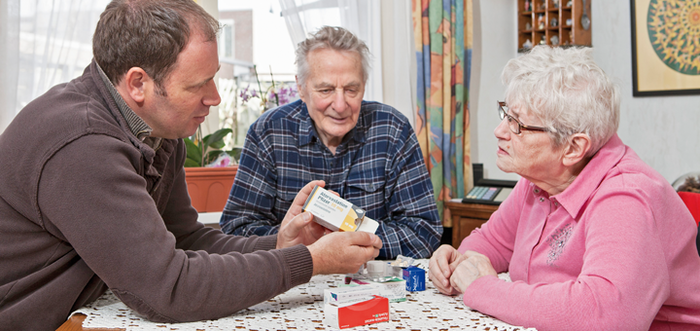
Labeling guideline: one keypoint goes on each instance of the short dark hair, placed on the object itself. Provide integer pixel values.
(149, 34)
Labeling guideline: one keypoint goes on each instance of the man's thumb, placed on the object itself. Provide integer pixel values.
(307, 217)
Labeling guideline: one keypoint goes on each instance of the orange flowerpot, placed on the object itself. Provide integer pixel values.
(209, 187)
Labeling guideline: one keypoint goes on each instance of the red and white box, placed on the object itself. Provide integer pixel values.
(351, 314)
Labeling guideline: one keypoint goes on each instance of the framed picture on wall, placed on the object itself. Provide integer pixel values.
(665, 47)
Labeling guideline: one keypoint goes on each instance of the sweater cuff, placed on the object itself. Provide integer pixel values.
(478, 291)
(266, 243)
(300, 264)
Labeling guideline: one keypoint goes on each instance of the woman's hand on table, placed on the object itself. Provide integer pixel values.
(470, 269)
(445, 262)
(441, 267)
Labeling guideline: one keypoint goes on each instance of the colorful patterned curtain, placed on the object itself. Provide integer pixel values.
(443, 38)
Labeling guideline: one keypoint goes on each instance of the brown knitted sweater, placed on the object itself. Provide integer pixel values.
(86, 206)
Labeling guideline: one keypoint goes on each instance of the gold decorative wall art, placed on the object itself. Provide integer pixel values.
(665, 47)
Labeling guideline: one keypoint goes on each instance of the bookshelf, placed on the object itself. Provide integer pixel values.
(553, 22)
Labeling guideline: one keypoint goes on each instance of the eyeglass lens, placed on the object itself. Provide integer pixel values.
(513, 124)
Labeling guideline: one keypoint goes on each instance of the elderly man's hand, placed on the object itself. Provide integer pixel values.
(469, 270)
(297, 227)
(343, 252)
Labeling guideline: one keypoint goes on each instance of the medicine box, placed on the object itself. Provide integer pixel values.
(393, 289)
(415, 279)
(351, 314)
(337, 214)
(348, 294)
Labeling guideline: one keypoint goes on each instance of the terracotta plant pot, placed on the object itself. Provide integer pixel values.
(209, 187)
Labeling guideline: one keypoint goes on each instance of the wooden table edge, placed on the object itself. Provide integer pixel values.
(75, 323)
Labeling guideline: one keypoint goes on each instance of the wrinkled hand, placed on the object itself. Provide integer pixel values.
(469, 270)
(343, 252)
(443, 264)
(440, 268)
(297, 227)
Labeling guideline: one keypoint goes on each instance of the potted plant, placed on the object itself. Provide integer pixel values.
(209, 170)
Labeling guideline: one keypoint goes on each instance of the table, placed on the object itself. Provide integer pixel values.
(301, 308)
(466, 217)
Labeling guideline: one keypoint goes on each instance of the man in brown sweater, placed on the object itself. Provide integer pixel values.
(93, 193)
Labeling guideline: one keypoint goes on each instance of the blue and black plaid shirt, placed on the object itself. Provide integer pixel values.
(378, 167)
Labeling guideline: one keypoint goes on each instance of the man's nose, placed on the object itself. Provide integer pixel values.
(339, 102)
(212, 98)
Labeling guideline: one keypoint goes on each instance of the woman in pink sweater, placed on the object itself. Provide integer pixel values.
(593, 238)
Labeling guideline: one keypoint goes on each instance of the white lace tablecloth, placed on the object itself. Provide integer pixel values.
(301, 308)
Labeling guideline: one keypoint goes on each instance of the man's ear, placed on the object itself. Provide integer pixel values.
(135, 84)
(300, 90)
(576, 149)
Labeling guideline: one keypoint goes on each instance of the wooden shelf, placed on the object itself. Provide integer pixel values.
(552, 22)
(466, 217)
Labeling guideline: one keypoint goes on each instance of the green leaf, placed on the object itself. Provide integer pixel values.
(194, 153)
(212, 155)
(189, 163)
(216, 139)
(235, 152)
(217, 145)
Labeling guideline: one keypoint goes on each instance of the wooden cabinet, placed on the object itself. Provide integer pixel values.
(466, 217)
(553, 22)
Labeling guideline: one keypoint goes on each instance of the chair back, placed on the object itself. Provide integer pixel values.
(692, 201)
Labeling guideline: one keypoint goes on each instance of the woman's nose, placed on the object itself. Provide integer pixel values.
(502, 129)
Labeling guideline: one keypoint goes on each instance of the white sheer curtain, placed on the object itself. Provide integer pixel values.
(399, 57)
(9, 57)
(45, 42)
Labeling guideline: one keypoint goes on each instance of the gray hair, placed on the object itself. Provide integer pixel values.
(567, 91)
(335, 38)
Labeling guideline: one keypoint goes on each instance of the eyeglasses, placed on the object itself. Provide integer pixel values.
(513, 123)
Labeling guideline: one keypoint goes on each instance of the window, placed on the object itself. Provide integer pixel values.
(253, 39)
(227, 45)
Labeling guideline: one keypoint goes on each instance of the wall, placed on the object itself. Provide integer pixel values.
(243, 30)
(663, 131)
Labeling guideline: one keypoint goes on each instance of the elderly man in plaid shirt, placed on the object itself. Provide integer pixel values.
(365, 151)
